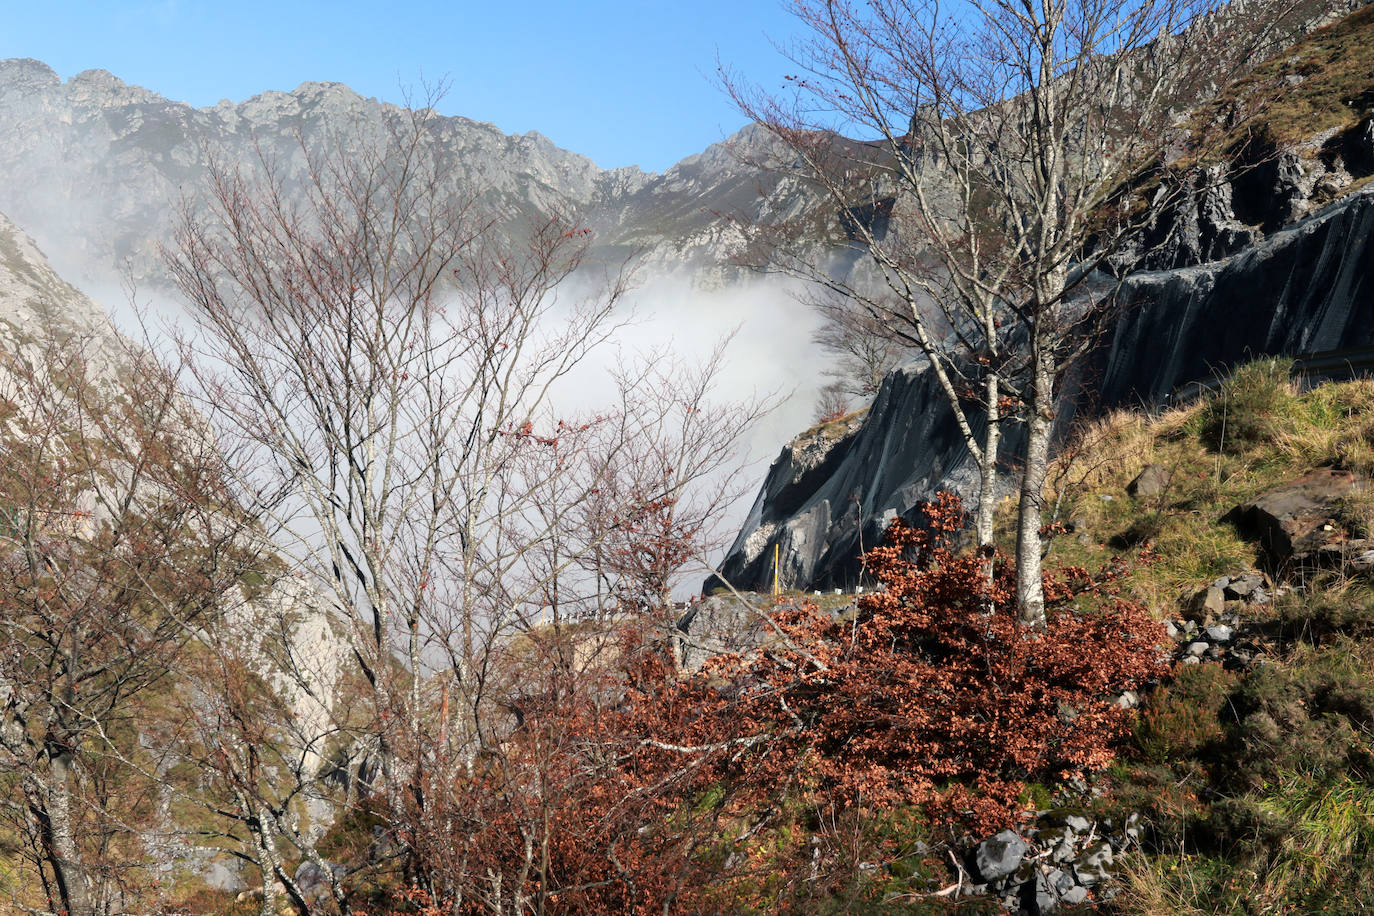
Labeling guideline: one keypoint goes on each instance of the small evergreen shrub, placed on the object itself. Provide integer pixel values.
(1314, 715)
(1332, 608)
(1184, 719)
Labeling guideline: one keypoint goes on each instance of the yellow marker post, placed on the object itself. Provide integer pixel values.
(776, 589)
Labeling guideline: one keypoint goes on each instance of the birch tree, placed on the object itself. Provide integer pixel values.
(999, 143)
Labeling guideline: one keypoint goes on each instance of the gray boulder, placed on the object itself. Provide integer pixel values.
(223, 875)
(316, 882)
(1243, 586)
(1094, 864)
(721, 623)
(1218, 633)
(1048, 890)
(1210, 601)
(1151, 482)
(1074, 896)
(1000, 855)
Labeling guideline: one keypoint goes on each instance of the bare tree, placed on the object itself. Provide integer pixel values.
(388, 367)
(674, 475)
(117, 545)
(1005, 139)
(865, 345)
(905, 301)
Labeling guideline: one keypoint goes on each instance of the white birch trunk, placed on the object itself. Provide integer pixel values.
(1030, 591)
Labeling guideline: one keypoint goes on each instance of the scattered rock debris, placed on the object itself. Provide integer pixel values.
(1065, 858)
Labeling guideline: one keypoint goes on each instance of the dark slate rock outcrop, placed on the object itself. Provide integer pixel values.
(1305, 289)
(904, 450)
(1299, 522)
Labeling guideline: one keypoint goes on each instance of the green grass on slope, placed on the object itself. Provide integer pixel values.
(1255, 433)
(1257, 784)
(1325, 82)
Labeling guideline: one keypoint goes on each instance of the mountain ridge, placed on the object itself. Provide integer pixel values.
(98, 162)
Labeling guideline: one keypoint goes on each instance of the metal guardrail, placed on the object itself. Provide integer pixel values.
(1348, 363)
(1309, 369)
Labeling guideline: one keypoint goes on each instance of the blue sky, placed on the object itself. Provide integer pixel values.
(622, 81)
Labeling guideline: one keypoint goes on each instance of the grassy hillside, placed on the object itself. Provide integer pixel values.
(1255, 432)
(1314, 99)
(1257, 778)
(1323, 84)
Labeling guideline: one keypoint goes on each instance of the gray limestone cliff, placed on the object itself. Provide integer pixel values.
(1304, 289)
(31, 292)
(94, 167)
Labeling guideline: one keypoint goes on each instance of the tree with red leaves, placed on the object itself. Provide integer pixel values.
(598, 798)
(625, 785)
(934, 694)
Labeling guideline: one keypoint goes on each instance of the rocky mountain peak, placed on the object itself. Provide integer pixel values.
(748, 141)
(103, 89)
(98, 78)
(25, 73)
(319, 99)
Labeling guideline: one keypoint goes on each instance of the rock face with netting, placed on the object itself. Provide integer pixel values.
(1303, 290)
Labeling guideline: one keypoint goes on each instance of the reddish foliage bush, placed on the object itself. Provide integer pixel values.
(839, 412)
(623, 785)
(586, 800)
(935, 695)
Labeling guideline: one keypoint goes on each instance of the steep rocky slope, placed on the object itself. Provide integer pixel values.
(1305, 289)
(1255, 756)
(64, 371)
(31, 292)
(36, 303)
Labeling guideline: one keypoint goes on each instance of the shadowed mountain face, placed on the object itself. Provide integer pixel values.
(93, 168)
(1305, 289)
